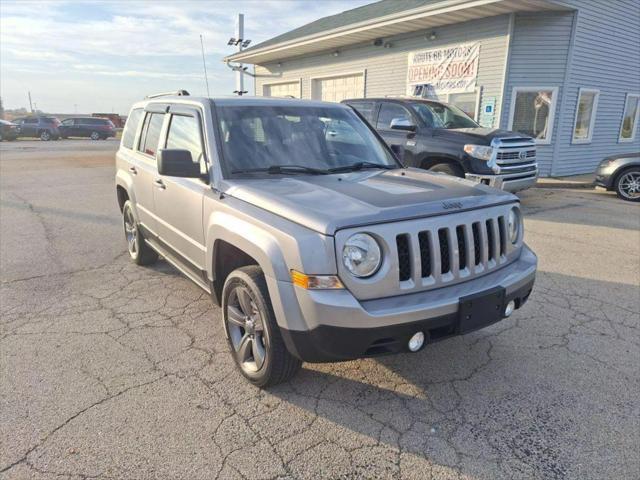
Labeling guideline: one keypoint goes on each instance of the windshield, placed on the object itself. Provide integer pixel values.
(298, 139)
(438, 115)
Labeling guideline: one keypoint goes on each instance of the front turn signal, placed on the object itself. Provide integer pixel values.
(315, 282)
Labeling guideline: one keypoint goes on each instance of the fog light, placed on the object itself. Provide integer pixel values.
(508, 310)
(416, 342)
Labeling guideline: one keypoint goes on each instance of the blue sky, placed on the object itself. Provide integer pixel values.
(103, 56)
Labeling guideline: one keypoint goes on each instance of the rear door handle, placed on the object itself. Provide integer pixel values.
(160, 184)
(133, 170)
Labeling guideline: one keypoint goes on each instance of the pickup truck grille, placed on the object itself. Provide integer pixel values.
(453, 252)
(516, 155)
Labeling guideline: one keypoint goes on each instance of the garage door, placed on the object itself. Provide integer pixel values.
(336, 89)
(289, 89)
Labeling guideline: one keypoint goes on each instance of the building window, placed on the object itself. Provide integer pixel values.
(467, 102)
(585, 115)
(533, 111)
(630, 118)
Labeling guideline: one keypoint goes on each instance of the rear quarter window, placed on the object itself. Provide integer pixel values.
(131, 127)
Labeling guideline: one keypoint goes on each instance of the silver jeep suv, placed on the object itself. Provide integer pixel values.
(307, 231)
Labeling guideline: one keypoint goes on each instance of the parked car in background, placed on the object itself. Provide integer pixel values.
(8, 130)
(116, 119)
(44, 128)
(93, 128)
(442, 138)
(621, 173)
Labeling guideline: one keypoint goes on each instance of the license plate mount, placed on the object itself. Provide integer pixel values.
(481, 309)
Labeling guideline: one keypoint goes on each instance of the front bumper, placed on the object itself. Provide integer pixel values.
(510, 183)
(331, 325)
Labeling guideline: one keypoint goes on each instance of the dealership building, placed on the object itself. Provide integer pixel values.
(566, 72)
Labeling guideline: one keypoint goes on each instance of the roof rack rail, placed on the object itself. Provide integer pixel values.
(179, 93)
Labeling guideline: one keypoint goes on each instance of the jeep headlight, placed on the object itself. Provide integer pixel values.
(361, 255)
(514, 225)
(481, 152)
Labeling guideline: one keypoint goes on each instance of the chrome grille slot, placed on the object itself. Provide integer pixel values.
(445, 255)
(425, 254)
(404, 257)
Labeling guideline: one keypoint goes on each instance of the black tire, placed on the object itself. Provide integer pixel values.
(95, 136)
(139, 251)
(278, 365)
(627, 184)
(45, 135)
(448, 168)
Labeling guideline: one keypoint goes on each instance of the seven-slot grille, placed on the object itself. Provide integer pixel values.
(453, 252)
(516, 155)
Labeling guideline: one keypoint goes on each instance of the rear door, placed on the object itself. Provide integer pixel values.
(178, 201)
(30, 127)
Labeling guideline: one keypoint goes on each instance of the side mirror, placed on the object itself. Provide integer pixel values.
(177, 163)
(402, 124)
(398, 151)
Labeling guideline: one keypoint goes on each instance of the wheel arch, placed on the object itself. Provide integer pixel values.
(429, 161)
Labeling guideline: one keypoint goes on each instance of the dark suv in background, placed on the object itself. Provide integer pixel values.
(436, 136)
(94, 128)
(44, 128)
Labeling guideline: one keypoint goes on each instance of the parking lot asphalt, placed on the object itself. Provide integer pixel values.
(109, 370)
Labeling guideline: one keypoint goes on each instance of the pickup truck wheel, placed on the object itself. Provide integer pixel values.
(448, 168)
(253, 334)
(139, 252)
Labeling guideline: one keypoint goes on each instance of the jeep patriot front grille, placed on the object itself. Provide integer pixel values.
(454, 252)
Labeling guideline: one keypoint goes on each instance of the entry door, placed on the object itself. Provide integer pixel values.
(338, 88)
(289, 89)
(178, 201)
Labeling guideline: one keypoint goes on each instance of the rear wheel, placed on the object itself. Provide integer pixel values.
(627, 185)
(253, 334)
(95, 136)
(45, 135)
(448, 168)
(139, 252)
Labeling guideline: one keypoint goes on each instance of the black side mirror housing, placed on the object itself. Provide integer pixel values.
(177, 163)
(398, 151)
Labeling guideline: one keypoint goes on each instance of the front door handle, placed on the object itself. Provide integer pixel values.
(133, 170)
(160, 184)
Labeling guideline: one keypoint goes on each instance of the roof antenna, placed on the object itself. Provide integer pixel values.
(204, 64)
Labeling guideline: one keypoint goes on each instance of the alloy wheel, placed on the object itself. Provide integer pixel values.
(131, 233)
(246, 329)
(95, 136)
(629, 185)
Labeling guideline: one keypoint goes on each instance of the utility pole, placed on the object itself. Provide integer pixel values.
(204, 64)
(30, 105)
(240, 43)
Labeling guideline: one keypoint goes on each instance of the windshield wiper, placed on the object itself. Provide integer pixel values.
(360, 165)
(283, 169)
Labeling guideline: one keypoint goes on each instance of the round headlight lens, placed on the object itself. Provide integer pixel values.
(514, 225)
(361, 255)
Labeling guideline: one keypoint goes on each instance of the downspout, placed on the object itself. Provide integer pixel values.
(505, 70)
(563, 94)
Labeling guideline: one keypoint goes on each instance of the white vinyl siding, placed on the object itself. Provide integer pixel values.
(586, 111)
(386, 68)
(282, 89)
(339, 87)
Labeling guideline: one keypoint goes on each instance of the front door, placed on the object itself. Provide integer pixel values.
(178, 201)
(390, 111)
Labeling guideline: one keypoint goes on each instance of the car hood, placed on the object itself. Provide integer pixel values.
(327, 203)
(481, 135)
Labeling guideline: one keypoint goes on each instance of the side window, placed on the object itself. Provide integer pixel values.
(365, 109)
(151, 133)
(184, 134)
(68, 122)
(130, 129)
(389, 111)
(31, 121)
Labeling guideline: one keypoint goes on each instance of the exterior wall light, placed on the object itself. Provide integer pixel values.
(336, 53)
(432, 36)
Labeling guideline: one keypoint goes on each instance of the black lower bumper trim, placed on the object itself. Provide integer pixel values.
(331, 344)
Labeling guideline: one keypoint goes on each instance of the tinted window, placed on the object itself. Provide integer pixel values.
(50, 120)
(184, 134)
(31, 120)
(68, 122)
(390, 111)
(131, 128)
(151, 133)
(365, 109)
(439, 115)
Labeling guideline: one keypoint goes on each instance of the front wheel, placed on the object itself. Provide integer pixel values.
(627, 185)
(253, 334)
(139, 252)
(95, 136)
